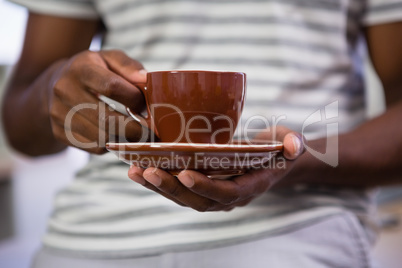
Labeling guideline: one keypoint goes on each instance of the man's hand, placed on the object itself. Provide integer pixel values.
(73, 95)
(201, 193)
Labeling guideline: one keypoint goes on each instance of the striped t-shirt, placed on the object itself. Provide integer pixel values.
(300, 56)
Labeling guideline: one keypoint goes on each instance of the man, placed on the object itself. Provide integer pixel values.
(300, 57)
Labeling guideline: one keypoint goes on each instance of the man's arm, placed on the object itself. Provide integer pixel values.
(370, 155)
(55, 75)
(49, 41)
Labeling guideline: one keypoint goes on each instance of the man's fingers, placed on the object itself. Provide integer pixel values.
(222, 191)
(137, 175)
(128, 68)
(293, 144)
(201, 193)
(75, 139)
(174, 190)
(108, 73)
(226, 192)
(169, 187)
(118, 127)
(107, 83)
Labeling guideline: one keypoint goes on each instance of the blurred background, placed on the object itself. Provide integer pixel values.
(27, 185)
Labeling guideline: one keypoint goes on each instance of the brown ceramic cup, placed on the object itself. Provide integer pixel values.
(193, 106)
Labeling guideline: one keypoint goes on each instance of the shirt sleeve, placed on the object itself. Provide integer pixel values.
(382, 11)
(84, 9)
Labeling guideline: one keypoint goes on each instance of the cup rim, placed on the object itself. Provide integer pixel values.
(197, 71)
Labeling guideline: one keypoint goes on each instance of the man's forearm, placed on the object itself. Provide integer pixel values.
(26, 115)
(369, 156)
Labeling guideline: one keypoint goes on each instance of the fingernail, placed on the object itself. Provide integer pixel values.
(186, 179)
(136, 177)
(297, 146)
(142, 72)
(153, 178)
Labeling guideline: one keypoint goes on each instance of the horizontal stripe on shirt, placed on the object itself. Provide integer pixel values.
(118, 6)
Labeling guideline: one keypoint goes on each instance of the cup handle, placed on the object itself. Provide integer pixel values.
(144, 121)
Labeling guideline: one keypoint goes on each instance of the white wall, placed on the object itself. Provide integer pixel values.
(12, 21)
